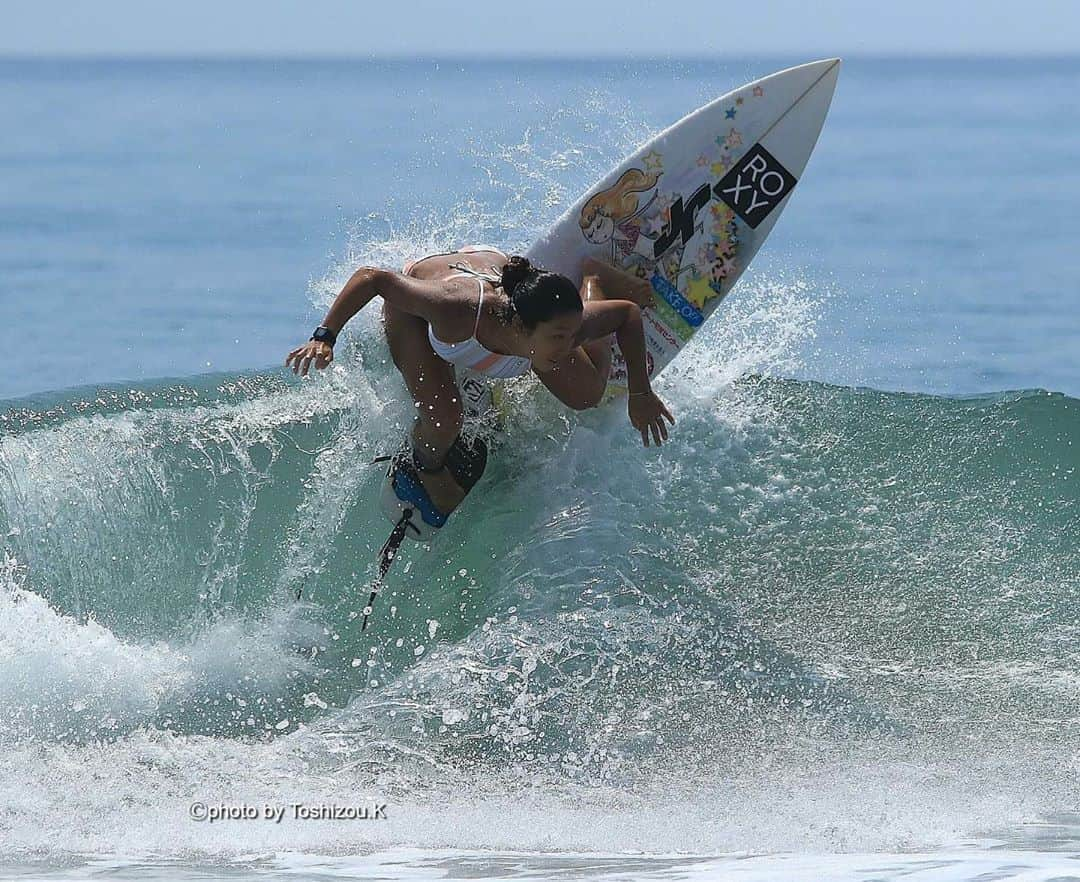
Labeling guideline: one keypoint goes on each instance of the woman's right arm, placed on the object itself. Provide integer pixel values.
(416, 296)
(424, 298)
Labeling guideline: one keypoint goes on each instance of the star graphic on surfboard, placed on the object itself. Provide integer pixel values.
(651, 226)
(698, 291)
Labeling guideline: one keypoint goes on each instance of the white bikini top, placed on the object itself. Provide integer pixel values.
(471, 353)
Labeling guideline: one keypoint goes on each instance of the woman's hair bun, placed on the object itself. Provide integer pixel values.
(513, 272)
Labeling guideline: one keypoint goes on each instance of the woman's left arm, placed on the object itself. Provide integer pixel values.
(645, 409)
(624, 318)
(601, 317)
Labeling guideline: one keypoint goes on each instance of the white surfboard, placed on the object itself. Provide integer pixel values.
(690, 208)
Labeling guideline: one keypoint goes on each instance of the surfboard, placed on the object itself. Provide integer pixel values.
(690, 208)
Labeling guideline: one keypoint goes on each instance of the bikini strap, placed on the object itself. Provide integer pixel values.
(479, 304)
(465, 269)
(495, 278)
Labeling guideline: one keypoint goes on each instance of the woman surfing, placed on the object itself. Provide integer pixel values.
(499, 316)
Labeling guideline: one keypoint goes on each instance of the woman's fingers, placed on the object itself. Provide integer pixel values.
(653, 422)
(295, 358)
(301, 358)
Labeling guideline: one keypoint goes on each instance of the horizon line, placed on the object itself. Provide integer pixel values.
(599, 57)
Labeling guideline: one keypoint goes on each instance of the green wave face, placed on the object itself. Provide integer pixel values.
(798, 558)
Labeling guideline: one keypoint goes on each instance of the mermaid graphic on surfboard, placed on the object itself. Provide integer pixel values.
(612, 216)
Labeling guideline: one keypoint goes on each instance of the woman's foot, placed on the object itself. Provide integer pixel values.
(443, 491)
(617, 284)
(639, 291)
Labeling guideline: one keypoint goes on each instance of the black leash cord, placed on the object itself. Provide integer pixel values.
(386, 557)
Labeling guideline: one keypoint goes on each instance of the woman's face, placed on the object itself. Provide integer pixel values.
(553, 340)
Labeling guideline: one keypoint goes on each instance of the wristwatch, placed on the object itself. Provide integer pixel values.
(324, 335)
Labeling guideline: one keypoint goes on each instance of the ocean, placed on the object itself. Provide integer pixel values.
(827, 631)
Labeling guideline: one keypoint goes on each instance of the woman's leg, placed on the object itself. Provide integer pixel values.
(599, 352)
(434, 389)
(576, 381)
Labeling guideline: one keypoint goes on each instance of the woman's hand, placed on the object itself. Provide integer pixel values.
(646, 413)
(314, 350)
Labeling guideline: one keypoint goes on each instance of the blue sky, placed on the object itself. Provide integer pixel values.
(540, 27)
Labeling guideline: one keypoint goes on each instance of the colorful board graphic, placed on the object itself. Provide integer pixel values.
(690, 208)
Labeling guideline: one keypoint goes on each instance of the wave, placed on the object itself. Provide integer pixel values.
(867, 531)
(802, 572)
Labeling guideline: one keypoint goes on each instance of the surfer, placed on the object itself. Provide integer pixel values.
(500, 316)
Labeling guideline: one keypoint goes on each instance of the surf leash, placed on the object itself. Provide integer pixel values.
(386, 557)
(406, 503)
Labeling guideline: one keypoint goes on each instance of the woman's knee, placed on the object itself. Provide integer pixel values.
(585, 395)
(599, 352)
(434, 434)
(590, 397)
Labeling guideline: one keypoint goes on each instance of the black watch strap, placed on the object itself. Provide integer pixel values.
(324, 335)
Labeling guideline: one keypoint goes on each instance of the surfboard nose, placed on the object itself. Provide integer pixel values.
(814, 75)
(830, 74)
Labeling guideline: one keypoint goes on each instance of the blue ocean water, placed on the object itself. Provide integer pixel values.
(827, 631)
(165, 218)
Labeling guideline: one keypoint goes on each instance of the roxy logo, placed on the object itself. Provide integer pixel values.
(755, 185)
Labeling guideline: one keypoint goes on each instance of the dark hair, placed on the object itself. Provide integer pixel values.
(535, 294)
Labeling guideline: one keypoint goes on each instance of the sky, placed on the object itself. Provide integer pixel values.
(483, 28)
